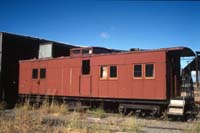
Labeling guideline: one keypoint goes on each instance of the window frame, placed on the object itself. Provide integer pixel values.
(113, 78)
(103, 78)
(83, 71)
(33, 77)
(153, 77)
(142, 73)
(45, 74)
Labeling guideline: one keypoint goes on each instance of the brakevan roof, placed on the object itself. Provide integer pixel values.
(182, 51)
(100, 48)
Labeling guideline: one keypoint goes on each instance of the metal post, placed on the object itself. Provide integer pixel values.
(1, 86)
(197, 71)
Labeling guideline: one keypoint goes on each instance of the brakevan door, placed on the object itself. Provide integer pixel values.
(38, 79)
(42, 81)
(85, 79)
(35, 78)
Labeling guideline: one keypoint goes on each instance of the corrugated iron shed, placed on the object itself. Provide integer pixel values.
(17, 47)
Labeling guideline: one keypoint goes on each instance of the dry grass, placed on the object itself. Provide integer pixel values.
(52, 108)
(56, 118)
(26, 118)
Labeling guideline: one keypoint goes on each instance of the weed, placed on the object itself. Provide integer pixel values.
(131, 124)
(99, 112)
(64, 109)
(2, 105)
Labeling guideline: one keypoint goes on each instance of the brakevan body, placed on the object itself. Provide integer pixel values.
(139, 79)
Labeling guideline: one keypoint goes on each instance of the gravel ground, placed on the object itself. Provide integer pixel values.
(156, 126)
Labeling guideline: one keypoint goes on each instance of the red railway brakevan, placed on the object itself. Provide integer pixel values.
(139, 79)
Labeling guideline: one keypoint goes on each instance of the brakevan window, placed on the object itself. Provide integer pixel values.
(103, 72)
(85, 67)
(86, 51)
(42, 73)
(76, 51)
(113, 71)
(149, 70)
(138, 71)
(34, 73)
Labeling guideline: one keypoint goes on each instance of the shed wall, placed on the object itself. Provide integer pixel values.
(15, 48)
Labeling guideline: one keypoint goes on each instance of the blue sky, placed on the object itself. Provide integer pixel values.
(114, 24)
